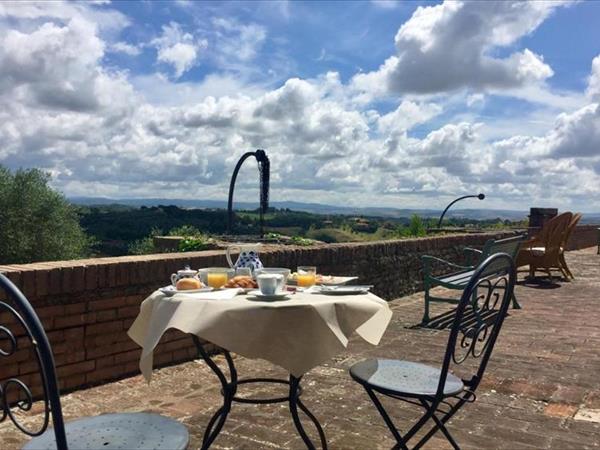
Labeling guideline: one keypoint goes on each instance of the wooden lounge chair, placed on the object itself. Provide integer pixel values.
(462, 274)
(544, 250)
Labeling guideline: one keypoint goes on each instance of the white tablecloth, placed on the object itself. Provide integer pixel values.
(296, 334)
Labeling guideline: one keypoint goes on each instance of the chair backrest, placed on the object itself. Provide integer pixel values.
(570, 228)
(508, 245)
(19, 311)
(551, 225)
(555, 231)
(479, 317)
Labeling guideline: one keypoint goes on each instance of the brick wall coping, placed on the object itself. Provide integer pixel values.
(266, 248)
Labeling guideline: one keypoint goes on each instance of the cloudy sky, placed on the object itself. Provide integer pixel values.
(361, 103)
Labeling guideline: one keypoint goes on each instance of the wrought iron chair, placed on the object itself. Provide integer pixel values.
(107, 431)
(479, 317)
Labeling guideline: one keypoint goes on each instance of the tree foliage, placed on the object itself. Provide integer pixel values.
(417, 226)
(36, 222)
(145, 245)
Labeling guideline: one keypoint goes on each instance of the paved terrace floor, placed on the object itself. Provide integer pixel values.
(542, 388)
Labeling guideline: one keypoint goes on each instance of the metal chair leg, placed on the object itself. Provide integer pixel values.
(388, 421)
(402, 441)
(440, 423)
(426, 311)
(515, 303)
(445, 431)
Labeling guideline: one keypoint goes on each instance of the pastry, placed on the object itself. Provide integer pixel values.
(241, 281)
(188, 283)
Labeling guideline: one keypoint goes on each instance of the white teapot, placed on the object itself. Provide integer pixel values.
(184, 273)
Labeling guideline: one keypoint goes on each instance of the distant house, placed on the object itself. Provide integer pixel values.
(363, 225)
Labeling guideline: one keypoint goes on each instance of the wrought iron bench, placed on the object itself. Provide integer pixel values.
(459, 279)
(106, 431)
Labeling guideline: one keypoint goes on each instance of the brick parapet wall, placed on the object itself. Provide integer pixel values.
(87, 306)
(584, 236)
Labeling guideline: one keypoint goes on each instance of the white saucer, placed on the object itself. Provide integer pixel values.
(342, 290)
(170, 291)
(269, 298)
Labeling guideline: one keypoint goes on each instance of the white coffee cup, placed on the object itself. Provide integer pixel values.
(269, 283)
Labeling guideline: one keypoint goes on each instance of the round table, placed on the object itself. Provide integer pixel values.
(297, 334)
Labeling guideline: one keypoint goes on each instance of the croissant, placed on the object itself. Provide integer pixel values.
(241, 281)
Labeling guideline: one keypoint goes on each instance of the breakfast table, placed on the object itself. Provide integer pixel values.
(297, 334)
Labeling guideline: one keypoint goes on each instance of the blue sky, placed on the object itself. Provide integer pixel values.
(317, 36)
(351, 36)
(403, 104)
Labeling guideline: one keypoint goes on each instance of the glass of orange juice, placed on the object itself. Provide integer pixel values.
(216, 278)
(307, 276)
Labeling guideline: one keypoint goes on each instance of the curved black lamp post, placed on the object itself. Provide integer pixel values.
(264, 170)
(479, 196)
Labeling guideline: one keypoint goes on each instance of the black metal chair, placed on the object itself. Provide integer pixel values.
(479, 317)
(107, 431)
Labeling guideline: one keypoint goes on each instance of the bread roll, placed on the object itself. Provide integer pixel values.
(188, 283)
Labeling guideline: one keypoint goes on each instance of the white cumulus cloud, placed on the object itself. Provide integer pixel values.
(124, 47)
(178, 48)
(593, 90)
(451, 46)
(238, 41)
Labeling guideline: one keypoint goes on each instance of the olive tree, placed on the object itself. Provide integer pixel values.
(37, 223)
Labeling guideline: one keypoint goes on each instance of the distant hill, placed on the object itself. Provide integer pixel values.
(315, 208)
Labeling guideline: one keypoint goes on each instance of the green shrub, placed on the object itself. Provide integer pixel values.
(193, 240)
(144, 246)
(193, 244)
(299, 240)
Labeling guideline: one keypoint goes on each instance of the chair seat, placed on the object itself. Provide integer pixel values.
(118, 431)
(459, 279)
(403, 377)
(538, 251)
